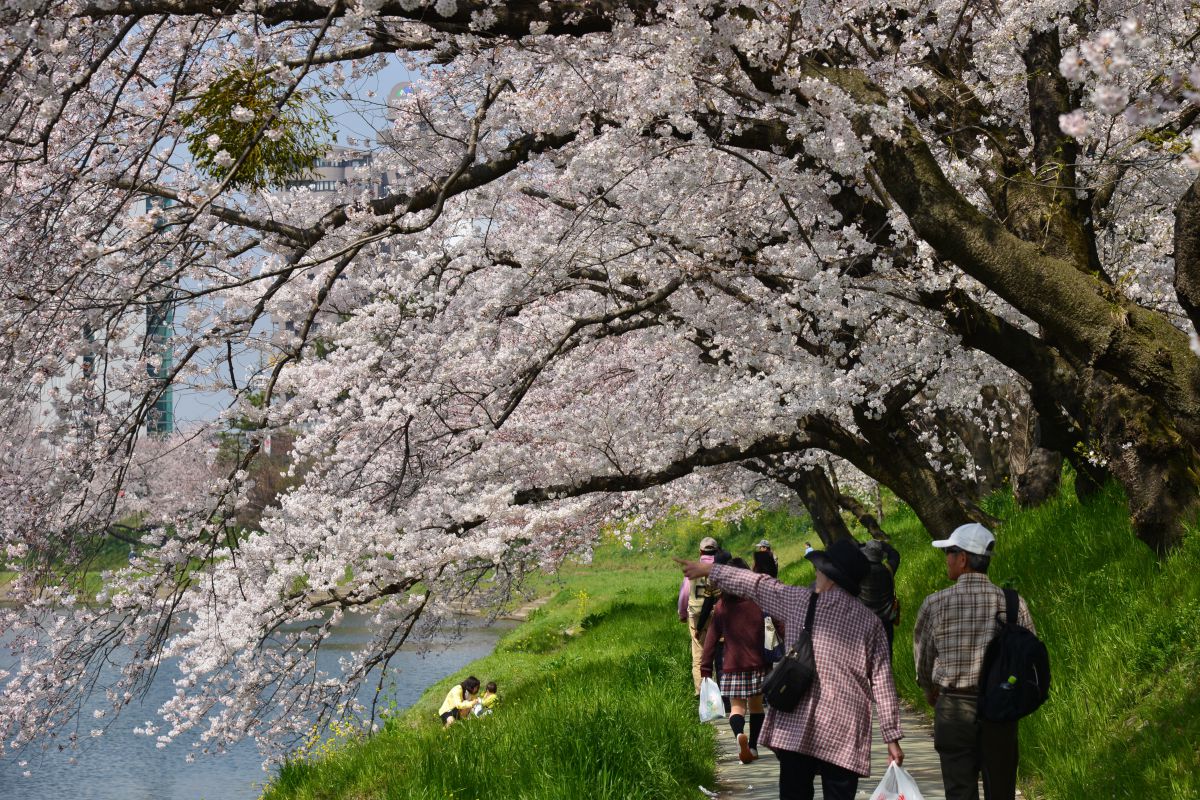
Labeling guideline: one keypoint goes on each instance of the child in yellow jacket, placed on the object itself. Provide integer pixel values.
(487, 701)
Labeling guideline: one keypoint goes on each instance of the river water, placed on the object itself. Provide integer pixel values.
(122, 765)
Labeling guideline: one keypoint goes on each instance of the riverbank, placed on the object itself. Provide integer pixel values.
(592, 705)
(124, 765)
(597, 693)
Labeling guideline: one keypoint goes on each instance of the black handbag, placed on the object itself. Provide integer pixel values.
(793, 676)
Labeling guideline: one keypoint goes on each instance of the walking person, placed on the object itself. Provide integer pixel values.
(953, 629)
(829, 732)
(879, 587)
(765, 563)
(763, 549)
(692, 594)
(773, 629)
(740, 622)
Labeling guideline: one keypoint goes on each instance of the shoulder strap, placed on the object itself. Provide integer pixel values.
(812, 609)
(1010, 607)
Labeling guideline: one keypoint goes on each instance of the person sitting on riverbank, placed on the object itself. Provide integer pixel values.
(459, 701)
(487, 701)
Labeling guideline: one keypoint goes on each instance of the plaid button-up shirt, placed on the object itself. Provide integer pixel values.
(954, 627)
(833, 722)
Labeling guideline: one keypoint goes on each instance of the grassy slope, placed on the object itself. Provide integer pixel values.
(111, 555)
(597, 698)
(1123, 632)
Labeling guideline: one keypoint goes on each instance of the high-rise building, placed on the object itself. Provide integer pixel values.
(160, 317)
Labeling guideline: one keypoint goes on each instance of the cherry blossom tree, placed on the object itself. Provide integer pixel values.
(631, 256)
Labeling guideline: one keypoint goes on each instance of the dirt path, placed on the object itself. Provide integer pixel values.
(760, 780)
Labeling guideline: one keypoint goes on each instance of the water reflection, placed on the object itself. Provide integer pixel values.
(122, 765)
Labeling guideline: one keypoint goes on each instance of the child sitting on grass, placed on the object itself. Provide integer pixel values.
(487, 701)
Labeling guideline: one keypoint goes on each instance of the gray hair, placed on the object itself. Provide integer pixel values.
(978, 563)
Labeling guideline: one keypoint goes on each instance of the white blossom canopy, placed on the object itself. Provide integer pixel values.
(632, 256)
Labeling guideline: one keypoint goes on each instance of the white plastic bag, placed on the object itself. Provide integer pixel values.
(770, 637)
(711, 705)
(897, 784)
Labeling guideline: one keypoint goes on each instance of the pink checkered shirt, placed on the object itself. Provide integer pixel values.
(833, 723)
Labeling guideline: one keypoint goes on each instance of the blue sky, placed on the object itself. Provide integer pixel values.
(360, 117)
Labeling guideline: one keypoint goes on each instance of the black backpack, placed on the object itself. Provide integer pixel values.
(1015, 679)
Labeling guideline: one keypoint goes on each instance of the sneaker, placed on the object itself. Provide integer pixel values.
(754, 753)
(745, 754)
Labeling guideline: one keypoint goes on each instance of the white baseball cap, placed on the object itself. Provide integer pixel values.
(972, 537)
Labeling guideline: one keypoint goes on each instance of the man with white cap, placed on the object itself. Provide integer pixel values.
(953, 629)
(691, 601)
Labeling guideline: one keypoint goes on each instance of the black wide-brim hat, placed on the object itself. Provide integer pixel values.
(844, 563)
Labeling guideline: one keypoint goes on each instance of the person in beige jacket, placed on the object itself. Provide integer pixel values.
(691, 600)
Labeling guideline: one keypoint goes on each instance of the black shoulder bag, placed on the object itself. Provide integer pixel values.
(792, 677)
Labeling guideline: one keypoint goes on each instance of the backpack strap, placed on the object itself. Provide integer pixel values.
(1011, 610)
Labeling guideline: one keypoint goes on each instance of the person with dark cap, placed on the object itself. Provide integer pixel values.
(763, 549)
(953, 629)
(692, 594)
(879, 587)
(829, 732)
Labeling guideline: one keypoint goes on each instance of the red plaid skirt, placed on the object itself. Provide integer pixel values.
(742, 684)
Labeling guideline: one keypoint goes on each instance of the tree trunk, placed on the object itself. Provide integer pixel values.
(989, 453)
(1158, 468)
(889, 454)
(1040, 479)
(816, 491)
(1187, 253)
(864, 516)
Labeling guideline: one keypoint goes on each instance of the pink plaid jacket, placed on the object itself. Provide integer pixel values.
(833, 723)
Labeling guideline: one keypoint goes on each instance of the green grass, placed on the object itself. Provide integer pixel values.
(596, 702)
(112, 554)
(597, 699)
(1123, 631)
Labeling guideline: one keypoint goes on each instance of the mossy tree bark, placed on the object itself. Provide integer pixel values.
(1127, 377)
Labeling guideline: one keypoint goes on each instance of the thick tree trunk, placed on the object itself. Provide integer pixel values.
(1036, 470)
(1158, 468)
(1040, 479)
(989, 453)
(1187, 253)
(816, 491)
(889, 454)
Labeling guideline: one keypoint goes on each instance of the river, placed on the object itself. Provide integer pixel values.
(122, 765)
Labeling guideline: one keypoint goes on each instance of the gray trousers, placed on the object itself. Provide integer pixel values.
(968, 748)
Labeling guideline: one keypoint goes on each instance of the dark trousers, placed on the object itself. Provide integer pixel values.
(968, 748)
(797, 772)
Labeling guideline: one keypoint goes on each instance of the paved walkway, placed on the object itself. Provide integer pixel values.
(760, 780)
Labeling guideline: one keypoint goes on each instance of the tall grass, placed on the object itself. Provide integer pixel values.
(1123, 631)
(596, 703)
